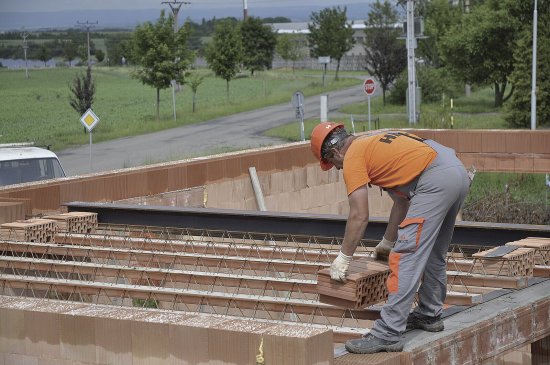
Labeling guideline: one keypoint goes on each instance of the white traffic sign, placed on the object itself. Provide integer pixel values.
(369, 86)
(298, 99)
(89, 119)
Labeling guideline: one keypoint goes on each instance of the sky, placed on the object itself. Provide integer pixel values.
(63, 5)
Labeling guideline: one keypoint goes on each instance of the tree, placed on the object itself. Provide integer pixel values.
(118, 46)
(480, 49)
(330, 34)
(69, 51)
(258, 43)
(161, 55)
(194, 82)
(224, 52)
(518, 110)
(44, 54)
(290, 47)
(386, 56)
(82, 92)
(439, 17)
(99, 55)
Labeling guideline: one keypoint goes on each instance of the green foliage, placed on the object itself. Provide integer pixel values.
(480, 49)
(330, 34)
(291, 47)
(119, 45)
(440, 16)
(194, 82)
(258, 44)
(38, 109)
(435, 84)
(518, 110)
(224, 52)
(386, 56)
(99, 55)
(70, 51)
(82, 92)
(44, 54)
(398, 94)
(277, 19)
(161, 55)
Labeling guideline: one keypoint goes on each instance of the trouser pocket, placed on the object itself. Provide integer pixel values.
(409, 234)
(407, 242)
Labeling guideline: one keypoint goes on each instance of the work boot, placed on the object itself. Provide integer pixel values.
(430, 324)
(370, 344)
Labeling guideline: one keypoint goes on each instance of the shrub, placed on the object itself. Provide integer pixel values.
(434, 82)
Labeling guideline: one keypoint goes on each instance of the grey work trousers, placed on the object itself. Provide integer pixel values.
(419, 255)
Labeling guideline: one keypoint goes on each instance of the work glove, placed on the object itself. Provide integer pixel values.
(339, 267)
(383, 249)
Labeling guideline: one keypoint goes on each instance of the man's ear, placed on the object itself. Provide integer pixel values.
(335, 151)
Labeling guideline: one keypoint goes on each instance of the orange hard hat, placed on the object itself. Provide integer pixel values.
(318, 136)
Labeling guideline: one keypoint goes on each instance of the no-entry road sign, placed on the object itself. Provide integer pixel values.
(369, 86)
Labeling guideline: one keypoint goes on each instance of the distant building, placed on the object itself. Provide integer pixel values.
(301, 28)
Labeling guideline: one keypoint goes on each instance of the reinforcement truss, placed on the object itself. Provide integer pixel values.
(262, 276)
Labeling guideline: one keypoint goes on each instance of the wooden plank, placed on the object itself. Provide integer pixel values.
(541, 271)
(505, 282)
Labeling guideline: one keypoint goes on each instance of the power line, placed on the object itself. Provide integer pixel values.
(175, 6)
(24, 35)
(88, 25)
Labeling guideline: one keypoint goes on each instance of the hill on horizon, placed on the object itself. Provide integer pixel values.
(13, 21)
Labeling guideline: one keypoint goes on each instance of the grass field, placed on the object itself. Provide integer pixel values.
(473, 112)
(38, 109)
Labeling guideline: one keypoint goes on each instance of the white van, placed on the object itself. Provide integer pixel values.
(22, 164)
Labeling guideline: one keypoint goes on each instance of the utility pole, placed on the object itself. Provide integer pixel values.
(24, 35)
(411, 67)
(88, 25)
(245, 9)
(534, 72)
(467, 87)
(175, 6)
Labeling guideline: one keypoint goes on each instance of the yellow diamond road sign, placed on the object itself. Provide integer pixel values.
(89, 119)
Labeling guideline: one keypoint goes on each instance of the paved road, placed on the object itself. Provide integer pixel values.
(235, 132)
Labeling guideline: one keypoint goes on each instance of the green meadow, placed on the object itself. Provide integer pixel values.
(37, 109)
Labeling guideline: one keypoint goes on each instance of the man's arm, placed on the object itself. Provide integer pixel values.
(355, 229)
(397, 214)
(357, 220)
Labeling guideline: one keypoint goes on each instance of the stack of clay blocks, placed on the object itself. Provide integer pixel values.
(75, 222)
(519, 262)
(540, 245)
(365, 285)
(30, 230)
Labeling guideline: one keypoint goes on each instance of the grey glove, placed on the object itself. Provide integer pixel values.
(383, 249)
(339, 267)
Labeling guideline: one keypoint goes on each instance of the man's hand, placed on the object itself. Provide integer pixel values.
(339, 267)
(383, 249)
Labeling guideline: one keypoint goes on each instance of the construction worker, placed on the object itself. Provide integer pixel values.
(428, 184)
